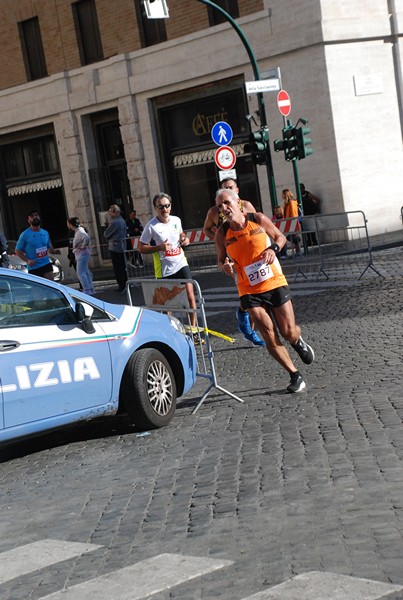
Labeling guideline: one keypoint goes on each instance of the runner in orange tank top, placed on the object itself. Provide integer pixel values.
(249, 243)
(214, 219)
(243, 247)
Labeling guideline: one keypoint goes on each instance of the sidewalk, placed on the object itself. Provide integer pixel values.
(392, 239)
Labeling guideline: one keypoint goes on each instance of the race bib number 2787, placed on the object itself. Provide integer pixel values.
(258, 272)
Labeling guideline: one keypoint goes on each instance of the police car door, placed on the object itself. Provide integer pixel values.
(49, 366)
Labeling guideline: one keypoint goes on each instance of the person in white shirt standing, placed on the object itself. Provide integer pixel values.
(164, 237)
(81, 249)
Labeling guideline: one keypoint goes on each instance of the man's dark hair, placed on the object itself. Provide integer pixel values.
(32, 212)
(228, 179)
(160, 196)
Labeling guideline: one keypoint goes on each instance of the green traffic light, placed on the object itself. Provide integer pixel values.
(303, 142)
(278, 145)
(258, 146)
(288, 144)
(288, 133)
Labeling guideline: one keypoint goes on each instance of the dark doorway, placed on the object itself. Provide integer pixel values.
(120, 192)
(113, 163)
(109, 180)
(51, 207)
(190, 173)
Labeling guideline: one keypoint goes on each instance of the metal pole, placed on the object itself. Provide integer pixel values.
(297, 187)
(260, 99)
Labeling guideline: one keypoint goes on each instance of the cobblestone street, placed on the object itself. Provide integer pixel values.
(279, 486)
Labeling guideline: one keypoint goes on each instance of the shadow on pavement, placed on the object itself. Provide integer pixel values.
(80, 432)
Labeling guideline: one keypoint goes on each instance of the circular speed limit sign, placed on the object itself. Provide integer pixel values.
(225, 158)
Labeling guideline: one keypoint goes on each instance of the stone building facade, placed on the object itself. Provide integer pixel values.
(98, 105)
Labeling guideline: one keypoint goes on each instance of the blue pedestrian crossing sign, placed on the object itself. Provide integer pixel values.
(221, 133)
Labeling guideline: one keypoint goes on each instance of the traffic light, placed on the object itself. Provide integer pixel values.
(288, 144)
(258, 146)
(303, 142)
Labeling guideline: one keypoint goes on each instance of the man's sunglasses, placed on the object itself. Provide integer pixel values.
(161, 206)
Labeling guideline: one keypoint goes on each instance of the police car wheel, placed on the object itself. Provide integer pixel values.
(148, 389)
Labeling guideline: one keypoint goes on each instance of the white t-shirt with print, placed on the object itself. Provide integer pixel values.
(156, 233)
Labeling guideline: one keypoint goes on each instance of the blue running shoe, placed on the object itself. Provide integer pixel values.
(255, 339)
(244, 327)
(243, 322)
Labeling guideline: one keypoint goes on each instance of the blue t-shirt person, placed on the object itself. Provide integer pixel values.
(33, 245)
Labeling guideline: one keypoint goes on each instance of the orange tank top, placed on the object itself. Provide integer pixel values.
(244, 247)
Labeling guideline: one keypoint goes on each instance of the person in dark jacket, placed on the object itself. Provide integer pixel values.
(134, 230)
(115, 233)
(311, 206)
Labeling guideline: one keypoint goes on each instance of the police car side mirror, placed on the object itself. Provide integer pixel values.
(85, 321)
(80, 312)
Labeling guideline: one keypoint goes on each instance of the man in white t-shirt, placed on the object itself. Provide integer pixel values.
(164, 237)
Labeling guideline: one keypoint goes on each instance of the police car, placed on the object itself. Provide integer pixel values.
(67, 357)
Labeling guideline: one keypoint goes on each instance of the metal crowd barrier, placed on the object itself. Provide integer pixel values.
(317, 246)
(137, 265)
(200, 255)
(331, 245)
(169, 296)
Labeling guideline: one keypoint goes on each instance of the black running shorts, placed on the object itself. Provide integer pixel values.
(183, 273)
(40, 272)
(271, 299)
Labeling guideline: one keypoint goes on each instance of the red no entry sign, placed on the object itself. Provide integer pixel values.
(225, 158)
(284, 103)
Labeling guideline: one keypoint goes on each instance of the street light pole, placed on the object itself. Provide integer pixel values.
(252, 58)
(260, 99)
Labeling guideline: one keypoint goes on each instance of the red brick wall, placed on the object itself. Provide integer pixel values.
(184, 22)
(12, 69)
(117, 22)
(118, 26)
(247, 7)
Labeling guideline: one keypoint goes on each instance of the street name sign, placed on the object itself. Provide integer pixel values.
(262, 85)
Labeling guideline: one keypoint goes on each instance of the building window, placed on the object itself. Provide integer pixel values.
(152, 31)
(32, 49)
(87, 31)
(30, 159)
(215, 17)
